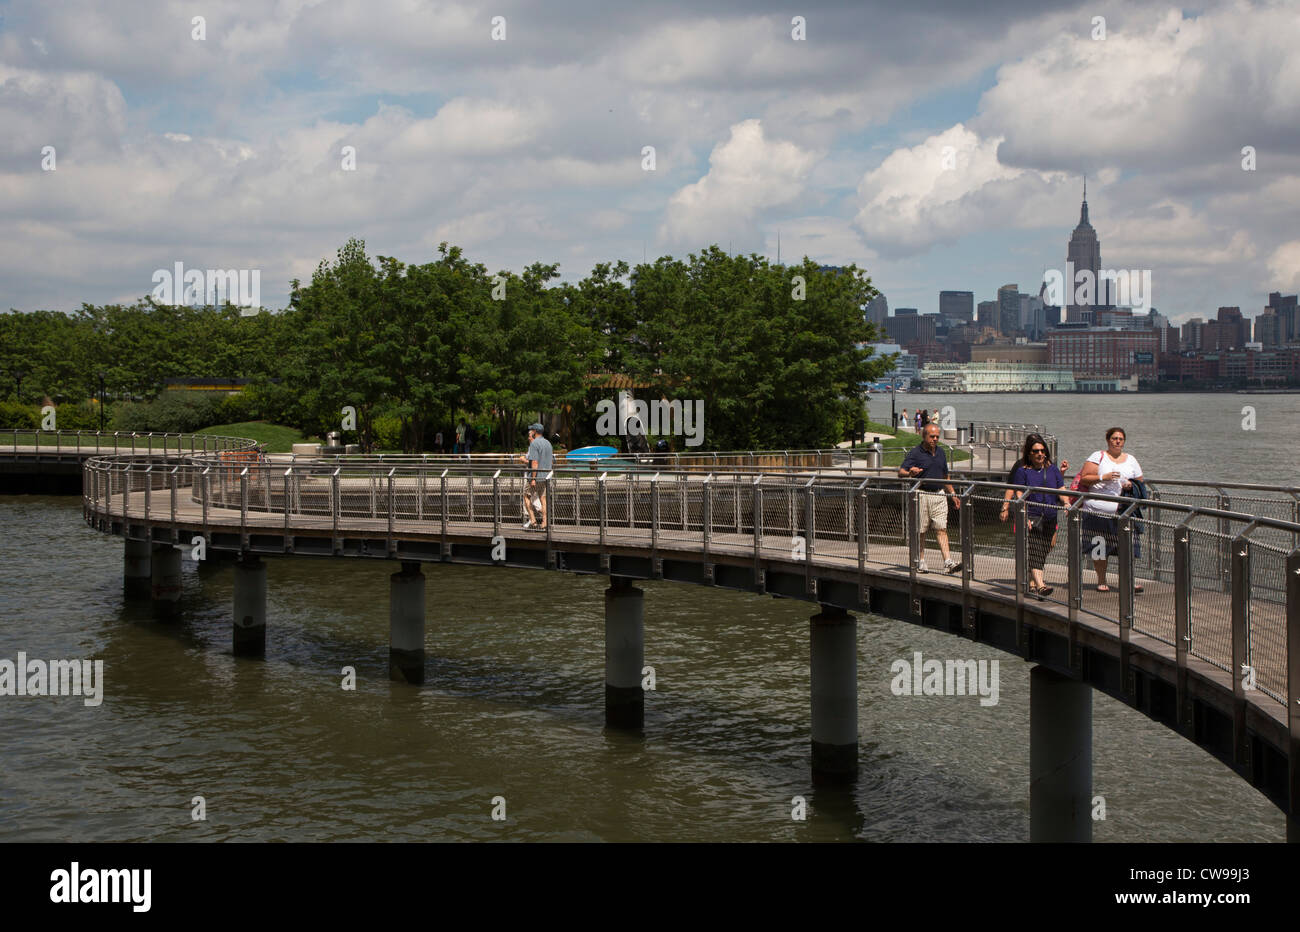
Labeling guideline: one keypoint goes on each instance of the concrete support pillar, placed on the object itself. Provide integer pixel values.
(166, 580)
(624, 654)
(834, 639)
(137, 578)
(1060, 757)
(406, 625)
(249, 614)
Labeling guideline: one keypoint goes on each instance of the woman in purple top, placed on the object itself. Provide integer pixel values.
(1036, 469)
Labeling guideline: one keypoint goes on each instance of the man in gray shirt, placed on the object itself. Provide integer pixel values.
(539, 458)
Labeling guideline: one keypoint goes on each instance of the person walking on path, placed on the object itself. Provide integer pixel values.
(460, 436)
(1034, 468)
(539, 459)
(927, 461)
(1111, 472)
(902, 420)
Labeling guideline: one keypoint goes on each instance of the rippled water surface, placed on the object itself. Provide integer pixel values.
(513, 707)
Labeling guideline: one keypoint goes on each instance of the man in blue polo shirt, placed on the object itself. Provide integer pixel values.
(928, 462)
(540, 459)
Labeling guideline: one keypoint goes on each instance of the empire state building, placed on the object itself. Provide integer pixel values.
(1084, 252)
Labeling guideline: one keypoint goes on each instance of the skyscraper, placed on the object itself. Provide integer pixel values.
(1083, 252)
(878, 312)
(959, 305)
(1234, 330)
(1009, 310)
(988, 314)
(1288, 316)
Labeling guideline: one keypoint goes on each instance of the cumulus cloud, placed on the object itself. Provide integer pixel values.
(1284, 266)
(948, 186)
(747, 174)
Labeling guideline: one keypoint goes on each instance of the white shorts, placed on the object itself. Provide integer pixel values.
(934, 511)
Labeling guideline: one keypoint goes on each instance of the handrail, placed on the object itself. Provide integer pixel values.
(847, 521)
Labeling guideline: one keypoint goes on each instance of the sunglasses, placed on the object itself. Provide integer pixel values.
(1039, 451)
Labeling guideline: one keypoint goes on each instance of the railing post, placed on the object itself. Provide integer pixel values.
(600, 507)
(392, 547)
(445, 548)
(863, 515)
(1241, 653)
(288, 505)
(551, 509)
(419, 498)
(1183, 620)
(1125, 522)
(243, 509)
(1225, 542)
(759, 581)
(496, 503)
(706, 522)
(1022, 546)
(654, 516)
(1293, 692)
(336, 506)
(126, 496)
(914, 551)
(205, 487)
(1074, 578)
(148, 492)
(810, 534)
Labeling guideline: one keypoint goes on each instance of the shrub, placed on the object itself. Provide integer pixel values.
(171, 412)
(387, 432)
(17, 416)
(237, 408)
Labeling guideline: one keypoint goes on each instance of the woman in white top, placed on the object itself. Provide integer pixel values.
(1110, 472)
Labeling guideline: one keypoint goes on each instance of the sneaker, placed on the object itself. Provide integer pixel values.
(952, 566)
(528, 525)
(920, 567)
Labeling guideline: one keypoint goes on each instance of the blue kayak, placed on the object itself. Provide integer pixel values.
(591, 453)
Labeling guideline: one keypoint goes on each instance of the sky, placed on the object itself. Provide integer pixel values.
(937, 145)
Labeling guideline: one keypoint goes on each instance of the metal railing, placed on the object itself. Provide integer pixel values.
(121, 441)
(1215, 584)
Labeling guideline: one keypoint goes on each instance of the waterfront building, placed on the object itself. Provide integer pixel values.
(996, 377)
(1021, 351)
(988, 315)
(1109, 353)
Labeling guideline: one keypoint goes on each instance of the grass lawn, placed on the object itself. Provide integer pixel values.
(896, 447)
(278, 439)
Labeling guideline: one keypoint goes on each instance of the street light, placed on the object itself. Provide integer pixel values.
(18, 375)
(101, 402)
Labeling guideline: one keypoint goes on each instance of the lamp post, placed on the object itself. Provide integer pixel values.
(101, 402)
(18, 377)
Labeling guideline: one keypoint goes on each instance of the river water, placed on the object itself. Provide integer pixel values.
(1173, 435)
(513, 704)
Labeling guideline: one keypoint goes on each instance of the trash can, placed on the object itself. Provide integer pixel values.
(875, 455)
(963, 436)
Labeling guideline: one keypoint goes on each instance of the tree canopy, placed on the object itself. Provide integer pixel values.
(774, 352)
